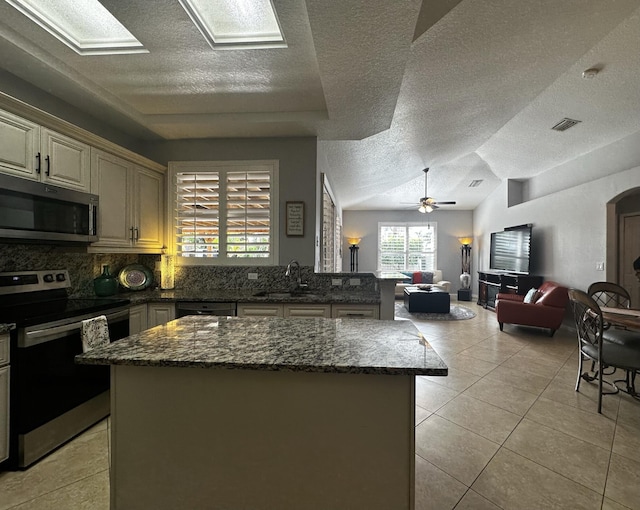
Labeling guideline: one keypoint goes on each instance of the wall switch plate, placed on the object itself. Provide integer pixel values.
(354, 281)
(252, 276)
(336, 282)
(599, 266)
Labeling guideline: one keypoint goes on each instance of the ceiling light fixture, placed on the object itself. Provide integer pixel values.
(239, 24)
(84, 26)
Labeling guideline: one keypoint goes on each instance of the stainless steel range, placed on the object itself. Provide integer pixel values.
(52, 399)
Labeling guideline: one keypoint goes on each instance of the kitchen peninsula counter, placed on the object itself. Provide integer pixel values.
(265, 413)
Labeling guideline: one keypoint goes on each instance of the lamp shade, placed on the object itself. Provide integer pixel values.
(465, 241)
(354, 241)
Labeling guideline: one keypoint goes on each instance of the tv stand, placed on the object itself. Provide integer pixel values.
(491, 283)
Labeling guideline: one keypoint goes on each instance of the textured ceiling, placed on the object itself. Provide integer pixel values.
(467, 88)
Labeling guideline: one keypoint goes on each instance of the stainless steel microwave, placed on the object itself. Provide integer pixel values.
(35, 211)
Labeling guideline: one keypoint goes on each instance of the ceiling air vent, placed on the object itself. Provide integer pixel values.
(475, 183)
(565, 124)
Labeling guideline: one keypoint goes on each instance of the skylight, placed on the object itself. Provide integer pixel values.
(83, 25)
(236, 24)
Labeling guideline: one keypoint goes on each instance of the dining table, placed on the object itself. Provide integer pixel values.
(624, 317)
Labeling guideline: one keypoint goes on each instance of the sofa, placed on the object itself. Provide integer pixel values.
(543, 307)
(414, 276)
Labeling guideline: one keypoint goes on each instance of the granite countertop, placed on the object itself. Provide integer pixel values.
(249, 295)
(6, 327)
(274, 343)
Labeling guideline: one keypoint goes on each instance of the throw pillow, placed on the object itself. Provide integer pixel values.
(530, 296)
(422, 277)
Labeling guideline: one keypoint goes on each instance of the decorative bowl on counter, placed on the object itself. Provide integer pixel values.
(135, 277)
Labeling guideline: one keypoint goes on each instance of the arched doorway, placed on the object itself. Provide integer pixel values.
(623, 241)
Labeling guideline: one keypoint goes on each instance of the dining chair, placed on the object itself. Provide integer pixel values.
(592, 345)
(609, 294)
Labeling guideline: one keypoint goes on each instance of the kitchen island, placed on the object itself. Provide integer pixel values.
(265, 413)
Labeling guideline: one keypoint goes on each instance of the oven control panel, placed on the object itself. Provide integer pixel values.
(31, 281)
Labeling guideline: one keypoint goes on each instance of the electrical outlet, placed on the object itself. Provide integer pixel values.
(158, 266)
(252, 276)
(354, 281)
(336, 282)
(599, 266)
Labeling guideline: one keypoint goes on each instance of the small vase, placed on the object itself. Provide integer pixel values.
(106, 284)
(465, 280)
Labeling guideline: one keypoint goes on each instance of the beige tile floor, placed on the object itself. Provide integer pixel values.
(505, 430)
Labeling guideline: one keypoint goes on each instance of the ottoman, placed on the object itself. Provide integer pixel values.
(426, 301)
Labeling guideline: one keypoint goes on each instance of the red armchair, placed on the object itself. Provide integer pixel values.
(547, 311)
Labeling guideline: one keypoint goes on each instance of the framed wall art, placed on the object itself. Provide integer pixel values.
(295, 218)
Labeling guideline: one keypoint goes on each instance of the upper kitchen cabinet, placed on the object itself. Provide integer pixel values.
(131, 210)
(40, 154)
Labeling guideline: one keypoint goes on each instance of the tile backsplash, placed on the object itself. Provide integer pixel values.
(83, 267)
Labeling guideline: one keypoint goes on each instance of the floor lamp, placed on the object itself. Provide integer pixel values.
(464, 294)
(353, 248)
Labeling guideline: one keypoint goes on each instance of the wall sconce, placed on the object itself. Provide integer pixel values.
(167, 272)
(353, 248)
(465, 250)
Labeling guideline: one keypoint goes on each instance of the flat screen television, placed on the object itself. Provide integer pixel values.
(511, 250)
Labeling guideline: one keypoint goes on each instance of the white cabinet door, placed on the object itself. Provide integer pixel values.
(137, 319)
(4, 413)
(260, 310)
(110, 180)
(19, 144)
(160, 313)
(347, 311)
(64, 161)
(131, 210)
(305, 310)
(148, 208)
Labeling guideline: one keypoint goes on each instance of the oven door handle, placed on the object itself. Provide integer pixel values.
(40, 336)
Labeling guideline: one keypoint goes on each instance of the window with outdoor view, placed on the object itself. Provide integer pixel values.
(225, 213)
(406, 246)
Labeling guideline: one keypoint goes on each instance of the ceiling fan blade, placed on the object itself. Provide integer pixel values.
(445, 203)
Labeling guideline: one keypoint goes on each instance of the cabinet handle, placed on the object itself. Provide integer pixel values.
(38, 163)
(137, 234)
(48, 160)
(131, 237)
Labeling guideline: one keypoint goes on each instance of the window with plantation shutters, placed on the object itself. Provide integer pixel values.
(406, 246)
(225, 212)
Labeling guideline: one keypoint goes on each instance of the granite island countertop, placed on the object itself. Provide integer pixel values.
(273, 343)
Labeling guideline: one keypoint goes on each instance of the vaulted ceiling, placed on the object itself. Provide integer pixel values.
(468, 88)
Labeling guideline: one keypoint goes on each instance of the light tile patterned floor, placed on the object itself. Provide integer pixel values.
(505, 430)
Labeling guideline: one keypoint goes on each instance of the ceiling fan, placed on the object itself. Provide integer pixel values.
(426, 203)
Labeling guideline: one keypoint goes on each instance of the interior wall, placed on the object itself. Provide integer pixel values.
(450, 226)
(297, 176)
(569, 225)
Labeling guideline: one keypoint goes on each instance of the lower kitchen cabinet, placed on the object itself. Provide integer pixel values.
(337, 311)
(304, 310)
(348, 311)
(160, 313)
(260, 310)
(147, 316)
(137, 319)
(4, 413)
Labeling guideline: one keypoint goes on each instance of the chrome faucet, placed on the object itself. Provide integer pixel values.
(294, 264)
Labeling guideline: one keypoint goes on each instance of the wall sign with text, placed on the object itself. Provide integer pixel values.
(295, 218)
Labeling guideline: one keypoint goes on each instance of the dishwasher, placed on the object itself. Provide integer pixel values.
(184, 308)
